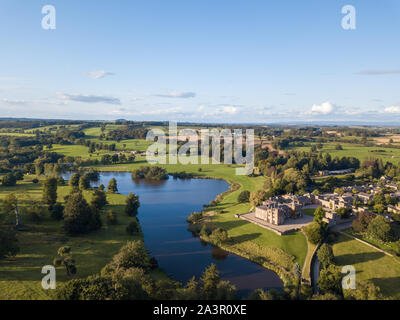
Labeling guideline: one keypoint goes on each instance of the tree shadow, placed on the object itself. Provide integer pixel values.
(228, 225)
(360, 257)
(388, 285)
(246, 237)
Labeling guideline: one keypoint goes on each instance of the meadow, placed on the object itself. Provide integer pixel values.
(370, 264)
(20, 276)
(359, 151)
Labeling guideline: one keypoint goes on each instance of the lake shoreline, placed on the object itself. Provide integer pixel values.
(282, 273)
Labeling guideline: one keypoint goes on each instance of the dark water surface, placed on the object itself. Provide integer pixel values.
(164, 208)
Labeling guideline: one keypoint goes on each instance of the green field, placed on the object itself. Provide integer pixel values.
(76, 151)
(370, 264)
(16, 134)
(358, 151)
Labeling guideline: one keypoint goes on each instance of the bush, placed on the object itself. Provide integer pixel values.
(314, 232)
(195, 217)
(379, 229)
(9, 180)
(132, 228)
(36, 213)
(111, 218)
(56, 212)
(151, 173)
(205, 231)
(244, 196)
(132, 205)
(8, 243)
(219, 235)
(99, 199)
(79, 217)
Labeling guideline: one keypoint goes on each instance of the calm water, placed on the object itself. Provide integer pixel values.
(164, 208)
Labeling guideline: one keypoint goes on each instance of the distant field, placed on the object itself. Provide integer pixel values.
(360, 152)
(370, 264)
(16, 134)
(76, 151)
(48, 128)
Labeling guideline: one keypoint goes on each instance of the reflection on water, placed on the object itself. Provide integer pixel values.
(165, 205)
(219, 254)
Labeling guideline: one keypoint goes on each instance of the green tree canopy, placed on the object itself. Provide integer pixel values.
(132, 205)
(112, 186)
(325, 255)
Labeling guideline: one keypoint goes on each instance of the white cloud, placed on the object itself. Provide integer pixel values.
(89, 98)
(378, 72)
(14, 102)
(99, 74)
(392, 109)
(228, 110)
(324, 108)
(175, 94)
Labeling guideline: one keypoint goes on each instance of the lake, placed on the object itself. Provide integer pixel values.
(165, 205)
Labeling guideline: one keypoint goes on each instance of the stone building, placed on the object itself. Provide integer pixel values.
(276, 213)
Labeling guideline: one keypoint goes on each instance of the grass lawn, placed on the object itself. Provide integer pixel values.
(309, 212)
(370, 264)
(20, 277)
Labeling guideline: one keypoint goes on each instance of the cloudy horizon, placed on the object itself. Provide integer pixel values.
(165, 62)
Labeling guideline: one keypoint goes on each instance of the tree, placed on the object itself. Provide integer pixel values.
(99, 199)
(84, 182)
(132, 255)
(10, 203)
(8, 243)
(210, 280)
(111, 217)
(343, 212)
(112, 186)
(74, 181)
(79, 217)
(319, 215)
(364, 291)
(132, 228)
(338, 147)
(361, 223)
(257, 197)
(9, 180)
(379, 229)
(56, 211)
(50, 191)
(330, 280)
(219, 235)
(65, 258)
(244, 196)
(325, 255)
(132, 205)
(314, 232)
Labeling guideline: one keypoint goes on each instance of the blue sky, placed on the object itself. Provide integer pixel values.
(201, 60)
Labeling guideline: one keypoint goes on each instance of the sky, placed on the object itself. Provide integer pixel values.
(250, 61)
